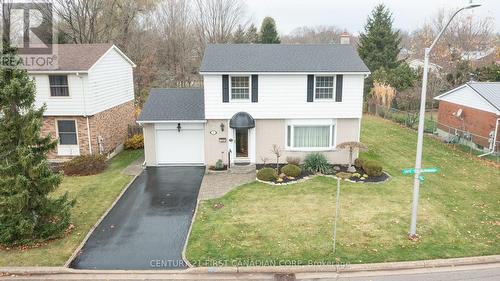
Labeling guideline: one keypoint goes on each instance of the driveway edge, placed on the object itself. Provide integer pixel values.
(79, 248)
(493, 259)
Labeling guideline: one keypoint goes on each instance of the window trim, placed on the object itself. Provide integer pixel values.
(332, 141)
(67, 86)
(249, 99)
(76, 133)
(334, 92)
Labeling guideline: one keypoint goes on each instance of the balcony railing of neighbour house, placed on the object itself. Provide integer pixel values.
(457, 137)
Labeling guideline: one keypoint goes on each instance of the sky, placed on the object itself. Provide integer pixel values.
(351, 14)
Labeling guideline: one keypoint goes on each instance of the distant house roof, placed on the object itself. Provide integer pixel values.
(81, 57)
(281, 58)
(489, 91)
(173, 104)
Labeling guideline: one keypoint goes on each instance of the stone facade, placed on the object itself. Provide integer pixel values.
(110, 125)
(477, 122)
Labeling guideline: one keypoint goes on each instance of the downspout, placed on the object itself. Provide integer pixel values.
(494, 140)
(85, 113)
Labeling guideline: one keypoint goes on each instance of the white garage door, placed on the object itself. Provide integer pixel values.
(184, 147)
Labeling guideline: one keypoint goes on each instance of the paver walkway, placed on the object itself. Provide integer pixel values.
(217, 184)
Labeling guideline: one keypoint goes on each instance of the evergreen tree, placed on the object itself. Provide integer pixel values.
(252, 35)
(27, 213)
(239, 36)
(268, 32)
(379, 45)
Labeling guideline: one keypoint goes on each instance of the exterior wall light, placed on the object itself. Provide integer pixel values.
(179, 127)
(222, 127)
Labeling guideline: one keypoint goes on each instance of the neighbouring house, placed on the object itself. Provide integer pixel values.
(303, 98)
(471, 113)
(89, 99)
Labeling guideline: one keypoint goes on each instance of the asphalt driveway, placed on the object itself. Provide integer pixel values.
(147, 228)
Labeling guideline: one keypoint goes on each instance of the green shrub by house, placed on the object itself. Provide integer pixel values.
(267, 174)
(317, 163)
(359, 162)
(291, 170)
(84, 165)
(372, 168)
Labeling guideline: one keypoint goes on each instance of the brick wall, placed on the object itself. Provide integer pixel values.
(475, 121)
(110, 124)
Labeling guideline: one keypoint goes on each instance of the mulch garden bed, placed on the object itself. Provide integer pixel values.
(335, 169)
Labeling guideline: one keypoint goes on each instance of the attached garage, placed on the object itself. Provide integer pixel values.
(174, 127)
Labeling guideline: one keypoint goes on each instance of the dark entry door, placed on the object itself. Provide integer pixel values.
(241, 142)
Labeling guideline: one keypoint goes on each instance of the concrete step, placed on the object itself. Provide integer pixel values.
(242, 168)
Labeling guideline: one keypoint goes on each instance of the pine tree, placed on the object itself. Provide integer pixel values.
(27, 213)
(239, 36)
(252, 35)
(268, 32)
(379, 45)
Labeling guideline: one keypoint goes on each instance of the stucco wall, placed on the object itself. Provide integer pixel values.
(148, 131)
(269, 132)
(214, 149)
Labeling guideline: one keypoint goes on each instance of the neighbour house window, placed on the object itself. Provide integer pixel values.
(324, 87)
(311, 137)
(240, 87)
(58, 85)
(66, 130)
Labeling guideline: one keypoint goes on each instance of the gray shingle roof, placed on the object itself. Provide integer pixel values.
(173, 104)
(281, 58)
(490, 91)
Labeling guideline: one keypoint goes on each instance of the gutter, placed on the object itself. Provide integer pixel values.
(494, 140)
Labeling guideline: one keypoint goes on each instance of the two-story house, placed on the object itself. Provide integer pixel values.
(303, 98)
(89, 99)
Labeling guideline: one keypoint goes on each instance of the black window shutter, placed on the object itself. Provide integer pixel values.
(255, 88)
(338, 89)
(310, 87)
(225, 88)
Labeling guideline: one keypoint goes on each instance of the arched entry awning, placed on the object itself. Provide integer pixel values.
(242, 120)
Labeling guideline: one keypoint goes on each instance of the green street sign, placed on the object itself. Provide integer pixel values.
(411, 171)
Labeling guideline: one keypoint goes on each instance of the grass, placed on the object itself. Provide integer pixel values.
(94, 194)
(459, 212)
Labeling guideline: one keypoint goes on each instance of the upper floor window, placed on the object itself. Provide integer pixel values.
(58, 85)
(324, 87)
(240, 87)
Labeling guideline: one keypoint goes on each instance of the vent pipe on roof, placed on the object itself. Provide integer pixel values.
(345, 38)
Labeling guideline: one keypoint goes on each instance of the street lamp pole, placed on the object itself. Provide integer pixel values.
(421, 121)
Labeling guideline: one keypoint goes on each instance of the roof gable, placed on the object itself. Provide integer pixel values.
(282, 58)
(467, 96)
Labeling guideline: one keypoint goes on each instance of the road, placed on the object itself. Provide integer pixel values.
(486, 272)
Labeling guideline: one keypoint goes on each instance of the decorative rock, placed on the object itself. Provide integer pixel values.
(282, 175)
(336, 168)
(351, 169)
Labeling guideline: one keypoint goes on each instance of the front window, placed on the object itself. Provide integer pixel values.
(240, 87)
(66, 130)
(311, 136)
(324, 87)
(58, 85)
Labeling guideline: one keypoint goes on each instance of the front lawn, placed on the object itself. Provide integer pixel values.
(94, 194)
(459, 212)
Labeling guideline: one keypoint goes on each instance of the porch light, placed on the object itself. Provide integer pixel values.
(179, 127)
(222, 127)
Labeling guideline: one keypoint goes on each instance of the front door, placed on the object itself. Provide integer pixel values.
(242, 143)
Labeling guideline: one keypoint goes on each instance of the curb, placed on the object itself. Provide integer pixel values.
(79, 248)
(390, 266)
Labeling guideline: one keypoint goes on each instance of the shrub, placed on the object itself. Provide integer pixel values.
(293, 160)
(134, 142)
(291, 170)
(316, 163)
(359, 162)
(343, 175)
(267, 174)
(84, 165)
(219, 165)
(372, 168)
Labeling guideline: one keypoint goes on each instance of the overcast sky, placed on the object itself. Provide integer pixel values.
(351, 14)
